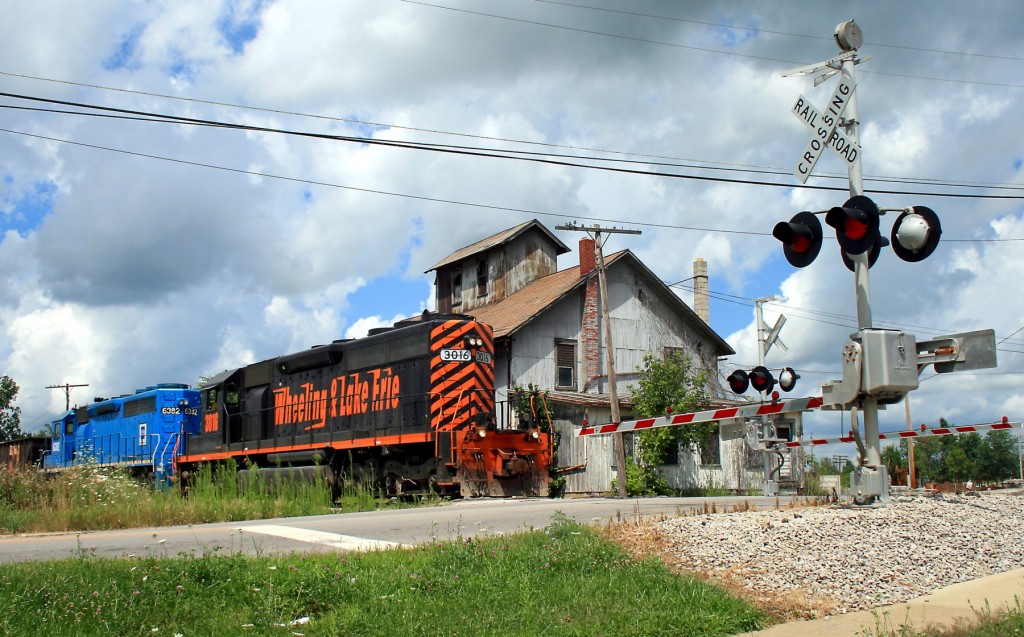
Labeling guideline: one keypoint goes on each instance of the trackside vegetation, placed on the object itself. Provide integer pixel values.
(567, 580)
(89, 497)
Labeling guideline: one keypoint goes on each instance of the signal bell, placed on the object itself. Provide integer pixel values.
(800, 237)
(787, 379)
(916, 234)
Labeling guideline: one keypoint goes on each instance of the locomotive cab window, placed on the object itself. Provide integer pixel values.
(210, 399)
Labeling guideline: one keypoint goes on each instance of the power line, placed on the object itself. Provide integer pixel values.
(749, 302)
(735, 27)
(411, 196)
(644, 157)
(480, 152)
(689, 47)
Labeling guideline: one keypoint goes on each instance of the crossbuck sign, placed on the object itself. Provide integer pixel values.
(825, 134)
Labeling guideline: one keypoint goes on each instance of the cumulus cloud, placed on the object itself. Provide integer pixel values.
(122, 269)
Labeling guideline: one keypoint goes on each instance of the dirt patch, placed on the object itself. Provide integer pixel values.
(643, 540)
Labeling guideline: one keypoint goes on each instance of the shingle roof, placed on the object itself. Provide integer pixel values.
(512, 313)
(498, 239)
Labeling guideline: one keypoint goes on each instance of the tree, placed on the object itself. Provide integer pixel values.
(997, 457)
(666, 384)
(10, 416)
(958, 466)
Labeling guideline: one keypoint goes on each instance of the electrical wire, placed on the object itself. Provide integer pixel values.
(693, 48)
(645, 157)
(549, 159)
(736, 27)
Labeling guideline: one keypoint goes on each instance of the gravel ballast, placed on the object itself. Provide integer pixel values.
(835, 559)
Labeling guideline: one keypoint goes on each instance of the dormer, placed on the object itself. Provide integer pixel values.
(491, 269)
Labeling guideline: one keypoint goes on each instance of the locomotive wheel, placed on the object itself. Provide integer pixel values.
(392, 485)
(432, 483)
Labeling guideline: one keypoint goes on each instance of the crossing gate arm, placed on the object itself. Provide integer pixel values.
(899, 435)
(746, 411)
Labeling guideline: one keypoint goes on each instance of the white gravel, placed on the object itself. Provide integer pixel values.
(842, 558)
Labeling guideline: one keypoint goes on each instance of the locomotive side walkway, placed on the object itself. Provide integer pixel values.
(944, 607)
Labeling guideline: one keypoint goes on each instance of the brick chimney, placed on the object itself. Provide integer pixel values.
(700, 290)
(589, 336)
(588, 258)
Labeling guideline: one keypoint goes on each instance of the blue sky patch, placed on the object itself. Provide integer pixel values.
(238, 28)
(121, 58)
(28, 212)
(390, 295)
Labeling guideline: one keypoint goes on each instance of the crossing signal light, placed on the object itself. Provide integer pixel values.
(800, 237)
(738, 381)
(916, 234)
(856, 224)
(787, 379)
(761, 379)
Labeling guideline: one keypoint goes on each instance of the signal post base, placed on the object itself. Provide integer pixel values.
(870, 485)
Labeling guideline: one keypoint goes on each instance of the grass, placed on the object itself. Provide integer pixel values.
(93, 498)
(1007, 622)
(566, 580)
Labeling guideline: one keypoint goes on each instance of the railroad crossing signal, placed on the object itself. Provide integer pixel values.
(856, 224)
(800, 237)
(914, 236)
(762, 380)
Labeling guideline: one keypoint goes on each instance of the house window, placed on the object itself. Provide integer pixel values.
(565, 364)
(710, 449)
(481, 277)
(457, 287)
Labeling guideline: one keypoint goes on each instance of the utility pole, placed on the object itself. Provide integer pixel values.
(67, 392)
(769, 487)
(613, 394)
(911, 475)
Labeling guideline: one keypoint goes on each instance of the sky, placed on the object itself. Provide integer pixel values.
(135, 252)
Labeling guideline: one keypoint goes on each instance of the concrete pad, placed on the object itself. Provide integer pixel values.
(939, 608)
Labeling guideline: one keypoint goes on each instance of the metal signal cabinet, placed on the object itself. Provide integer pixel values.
(140, 432)
(410, 408)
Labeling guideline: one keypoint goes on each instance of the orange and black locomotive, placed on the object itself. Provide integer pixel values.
(411, 408)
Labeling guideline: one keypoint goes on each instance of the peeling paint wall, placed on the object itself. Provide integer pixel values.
(510, 267)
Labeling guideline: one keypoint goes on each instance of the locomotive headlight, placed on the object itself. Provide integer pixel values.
(535, 434)
(481, 432)
(474, 342)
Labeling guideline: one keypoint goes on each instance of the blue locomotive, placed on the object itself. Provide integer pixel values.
(141, 432)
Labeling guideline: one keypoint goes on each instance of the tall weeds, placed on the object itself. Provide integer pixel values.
(88, 497)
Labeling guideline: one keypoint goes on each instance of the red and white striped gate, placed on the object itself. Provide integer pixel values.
(746, 411)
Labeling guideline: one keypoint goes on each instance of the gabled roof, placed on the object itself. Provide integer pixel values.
(514, 312)
(498, 239)
(508, 315)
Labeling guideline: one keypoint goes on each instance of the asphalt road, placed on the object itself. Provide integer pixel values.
(358, 531)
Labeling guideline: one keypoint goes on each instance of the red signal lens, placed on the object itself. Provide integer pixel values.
(761, 379)
(854, 229)
(738, 381)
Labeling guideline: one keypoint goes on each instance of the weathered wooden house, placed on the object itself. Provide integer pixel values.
(548, 332)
